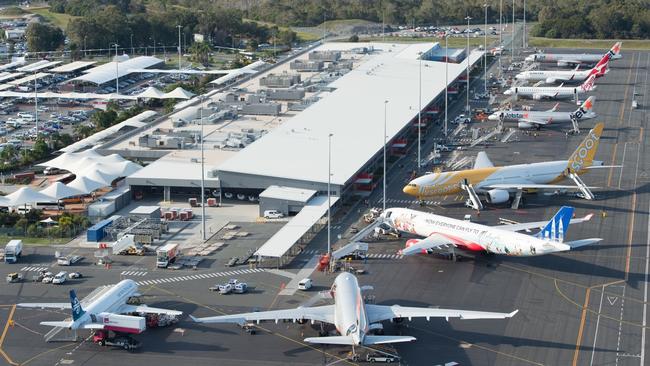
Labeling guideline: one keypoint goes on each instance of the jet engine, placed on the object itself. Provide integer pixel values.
(562, 63)
(497, 196)
(525, 125)
(550, 80)
(537, 96)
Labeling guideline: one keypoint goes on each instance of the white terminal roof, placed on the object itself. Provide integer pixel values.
(290, 233)
(106, 72)
(39, 65)
(15, 62)
(73, 66)
(174, 173)
(94, 139)
(353, 113)
(288, 193)
(29, 78)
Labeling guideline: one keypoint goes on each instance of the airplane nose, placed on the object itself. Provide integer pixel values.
(411, 189)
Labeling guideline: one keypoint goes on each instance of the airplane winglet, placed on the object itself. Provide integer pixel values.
(196, 320)
(513, 313)
(588, 217)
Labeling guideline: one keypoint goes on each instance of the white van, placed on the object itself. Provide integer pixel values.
(305, 284)
(25, 115)
(273, 214)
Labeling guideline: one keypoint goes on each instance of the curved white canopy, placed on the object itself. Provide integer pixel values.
(85, 184)
(179, 93)
(59, 191)
(26, 195)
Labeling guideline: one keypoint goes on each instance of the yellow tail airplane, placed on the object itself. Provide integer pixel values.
(497, 183)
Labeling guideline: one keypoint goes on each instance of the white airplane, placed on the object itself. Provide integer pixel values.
(530, 119)
(557, 76)
(571, 59)
(498, 182)
(103, 309)
(552, 92)
(353, 319)
(444, 233)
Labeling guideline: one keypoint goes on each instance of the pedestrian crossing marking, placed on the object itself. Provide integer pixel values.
(134, 273)
(199, 276)
(34, 269)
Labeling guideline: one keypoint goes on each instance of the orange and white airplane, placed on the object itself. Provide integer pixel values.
(537, 119)
(497, 183)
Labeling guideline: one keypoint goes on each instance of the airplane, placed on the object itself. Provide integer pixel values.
(536, 119)
(103, 309)
(574, 76)
(571, 59)
(447, 234)
(537, 92)
(353, 319)
(498, 182)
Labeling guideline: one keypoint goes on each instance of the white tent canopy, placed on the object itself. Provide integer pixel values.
(85, 185)
(115, 170)
(26, 195)
(178, 93)
(98, 175)
(151, 92)
(59, 191)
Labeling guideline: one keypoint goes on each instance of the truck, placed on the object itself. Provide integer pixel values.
(166, 254)
(13, 250)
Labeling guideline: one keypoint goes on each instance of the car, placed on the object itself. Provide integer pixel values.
(225, 289)
(232, 262)
(273, 214)
(47, 277)
(50, 170)
(122, 341)
(305, 284)
(240, 288)
(377, 357)
(60, 278)
(72, 275)
(356, 255)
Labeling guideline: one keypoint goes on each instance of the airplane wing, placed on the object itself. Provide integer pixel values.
(147, 309)
(539, 83)
(45, 305)
(318, 313)
(538, 224)
(536, 121)
(528, 186)
(377, 313)
(433, 241)
(482, 161)
(555, 107)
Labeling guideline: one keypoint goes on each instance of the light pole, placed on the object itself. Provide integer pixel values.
(36, 104)
(446, 80)
(468, 18)
(117, 71)
(485, 48)
(132, 50)
(85, 52)
(384, 185)
(179, 49)
(500, 35)
(523, 42)
(329, 196)
(420, 112)
(512, 55)
(202, 173)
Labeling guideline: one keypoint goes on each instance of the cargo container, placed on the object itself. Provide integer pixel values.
(96, 232)
(122, 323)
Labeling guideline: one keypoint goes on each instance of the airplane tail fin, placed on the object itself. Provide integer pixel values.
(557, 226)
(588, 85)
(584, 155)
(601, 67)
(615, 51)
(586, 107)
(77, 311)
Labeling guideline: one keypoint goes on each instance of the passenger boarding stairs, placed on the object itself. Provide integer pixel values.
(355, 246)
(484, 138)
(474, 201)
(586, 192)
(69, 335)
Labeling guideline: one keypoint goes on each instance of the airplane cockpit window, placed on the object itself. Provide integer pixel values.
(352, 329)
(388, 213)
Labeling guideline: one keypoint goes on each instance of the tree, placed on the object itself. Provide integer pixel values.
(104, 119)
(200, 53)
(354, 38)
(42, 37)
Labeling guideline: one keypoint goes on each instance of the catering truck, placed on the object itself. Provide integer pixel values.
(166, 254)
(13, 250)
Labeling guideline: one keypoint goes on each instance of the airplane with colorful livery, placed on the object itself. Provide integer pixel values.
(444, 234)
(537, 92)
(497, 183)
(562, 76)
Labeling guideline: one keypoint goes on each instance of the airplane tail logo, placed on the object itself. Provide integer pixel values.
(77, 311)
(585, 108)
(556, 228)
(588, 85)
(615, 51)
(583, 156)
